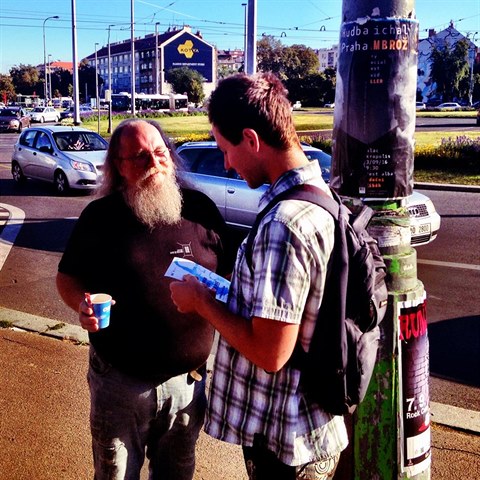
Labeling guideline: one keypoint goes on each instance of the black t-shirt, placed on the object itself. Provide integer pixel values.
(112, 252)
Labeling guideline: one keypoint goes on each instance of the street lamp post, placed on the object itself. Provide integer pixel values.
(49, 77)
(156, 58)
(45, 91)
(474, 50)
(97, 103)
(76, 88)
(109, 130)
(244, 5)
(132, 60)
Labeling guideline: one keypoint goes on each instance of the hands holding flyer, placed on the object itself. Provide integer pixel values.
(181, 267)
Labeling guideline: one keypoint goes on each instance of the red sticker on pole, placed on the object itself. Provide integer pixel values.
(415, 441)
(374, 119)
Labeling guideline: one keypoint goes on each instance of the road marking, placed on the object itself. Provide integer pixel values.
(10, 230)
(449, 264)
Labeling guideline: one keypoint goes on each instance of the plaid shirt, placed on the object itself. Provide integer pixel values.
(287, 286)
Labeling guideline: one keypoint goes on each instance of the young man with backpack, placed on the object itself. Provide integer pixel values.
(256, 397)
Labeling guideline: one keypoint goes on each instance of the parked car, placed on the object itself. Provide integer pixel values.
(420, 106)
(329, 105)
(13, 119)
(70, 112)
(297, 105)
(204, 169)
(449, 106)
(67, 157)
(44, 114)
(433, 103)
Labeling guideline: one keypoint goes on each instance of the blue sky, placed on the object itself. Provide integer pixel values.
(220, 21)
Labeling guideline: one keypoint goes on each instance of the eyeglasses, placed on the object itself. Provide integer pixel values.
(142, 158)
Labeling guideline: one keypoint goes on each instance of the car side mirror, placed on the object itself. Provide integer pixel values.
(46, 149)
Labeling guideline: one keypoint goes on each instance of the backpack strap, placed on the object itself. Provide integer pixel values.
(305, 192)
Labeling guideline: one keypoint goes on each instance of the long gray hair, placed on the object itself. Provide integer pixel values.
(112, 180)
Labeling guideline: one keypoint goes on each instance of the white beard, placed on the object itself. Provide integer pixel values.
(156, 204)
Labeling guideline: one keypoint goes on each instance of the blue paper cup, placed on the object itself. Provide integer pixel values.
(101, 304)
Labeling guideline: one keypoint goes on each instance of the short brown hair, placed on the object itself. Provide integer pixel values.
(258, 102)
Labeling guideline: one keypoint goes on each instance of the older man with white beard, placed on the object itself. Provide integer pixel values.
(147, 368)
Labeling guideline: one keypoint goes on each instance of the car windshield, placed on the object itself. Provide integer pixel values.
(38, 109)
(6, 112)
(80, 141)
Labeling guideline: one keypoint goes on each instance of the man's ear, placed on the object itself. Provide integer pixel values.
(251, 137)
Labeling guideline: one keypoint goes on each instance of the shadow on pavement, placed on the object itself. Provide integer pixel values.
(455, 349)
(34, 188)
(50, 235)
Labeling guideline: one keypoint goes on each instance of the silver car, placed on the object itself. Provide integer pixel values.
(68, 157)
(44, 114)
(204, 169)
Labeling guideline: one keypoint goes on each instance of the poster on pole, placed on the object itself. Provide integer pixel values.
(374, 118)
(415, 431)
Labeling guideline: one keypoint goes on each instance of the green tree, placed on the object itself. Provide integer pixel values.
(7, 89)
(270, 55)
(295, 61)
(313, 89)
(302, 61)
(188, 81)
(225, 71)
(86, 80)
(450, 70)
(62, 81)
(26, 80)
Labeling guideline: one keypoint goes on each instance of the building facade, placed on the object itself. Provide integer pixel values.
(231, 60)
(450, 36)
(328, 58)
(155, 55)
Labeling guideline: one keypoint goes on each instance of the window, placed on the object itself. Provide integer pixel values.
(43, 142)
(27, 138)
(207, 161)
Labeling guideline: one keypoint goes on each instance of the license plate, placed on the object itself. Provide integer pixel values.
(420, 229)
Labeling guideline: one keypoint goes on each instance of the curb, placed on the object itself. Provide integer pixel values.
(455, 417)
(446, 415)
(448, 187)
(43, 326)
(4, 216)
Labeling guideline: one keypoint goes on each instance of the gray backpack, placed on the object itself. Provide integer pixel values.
(337, 369)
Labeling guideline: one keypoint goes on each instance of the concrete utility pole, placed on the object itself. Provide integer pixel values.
(251, 53)
(97, 99)
(132, 40)
(76, 99)
(110, 90)
(157, 86)
(373, 145)
(245, 20)
(474, 55)
(49, 77)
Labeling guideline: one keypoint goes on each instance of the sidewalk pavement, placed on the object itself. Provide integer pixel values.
(44, 408)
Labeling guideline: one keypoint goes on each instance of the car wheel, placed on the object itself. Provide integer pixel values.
(17, 173)
(61, 183)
